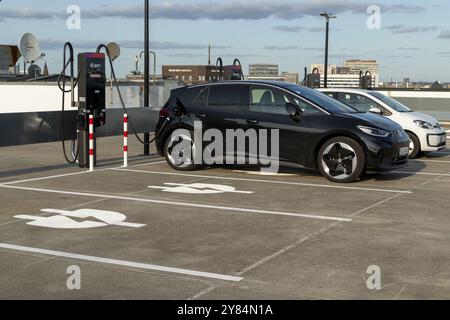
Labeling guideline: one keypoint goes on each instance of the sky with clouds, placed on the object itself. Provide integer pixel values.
(414, 39)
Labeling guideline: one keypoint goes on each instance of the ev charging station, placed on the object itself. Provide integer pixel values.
(312, 80)
(91, 102)
(365, 80)
(230, 72)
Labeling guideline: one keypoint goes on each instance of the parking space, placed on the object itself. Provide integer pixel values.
(152, 232)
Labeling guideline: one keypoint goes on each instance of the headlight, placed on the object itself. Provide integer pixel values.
(375, 132)
(423, 124)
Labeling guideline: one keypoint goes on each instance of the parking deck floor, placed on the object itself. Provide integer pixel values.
(221, 233)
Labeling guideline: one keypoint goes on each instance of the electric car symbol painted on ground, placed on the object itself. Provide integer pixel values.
(315, 130)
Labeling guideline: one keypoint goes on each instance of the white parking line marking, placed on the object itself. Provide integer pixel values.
(47, 178)
(147, 164)
(426, 160)
(421, 173)
(180, 204)
(265, 181)
(124, 263)
(75, 174)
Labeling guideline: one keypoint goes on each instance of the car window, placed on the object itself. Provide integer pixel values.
(225, 95)
(394, 104)
(322, 100)
(271, 100)
(189, 95)
(357, 101)
(201, 98)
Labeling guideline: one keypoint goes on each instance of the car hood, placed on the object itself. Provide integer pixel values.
(420, 116)
(371, 119)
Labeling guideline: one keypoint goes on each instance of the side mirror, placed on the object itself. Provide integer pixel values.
(376, 110)
(294, 112)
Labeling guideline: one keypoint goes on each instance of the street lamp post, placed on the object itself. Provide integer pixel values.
(147, 71)
(327, 16)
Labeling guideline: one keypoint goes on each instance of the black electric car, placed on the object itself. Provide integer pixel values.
(315, 130)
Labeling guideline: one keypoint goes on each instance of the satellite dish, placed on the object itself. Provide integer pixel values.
(29, 47)
(114, 50)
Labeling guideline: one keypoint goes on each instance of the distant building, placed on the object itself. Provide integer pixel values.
(290, 77)
(263, 70)
(357, 65)
(189, 74)
(343, 70)
(344, 81)
(437, 85)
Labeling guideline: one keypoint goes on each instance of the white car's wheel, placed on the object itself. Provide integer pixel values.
(414, 146)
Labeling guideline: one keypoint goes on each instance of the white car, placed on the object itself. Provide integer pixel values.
(426, 133)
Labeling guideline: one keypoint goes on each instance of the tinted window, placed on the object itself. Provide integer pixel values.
(394, 104)
(201, 98)
(322, 100)
(359, 102)
(271, 100)
(225, 95)
(189, 94)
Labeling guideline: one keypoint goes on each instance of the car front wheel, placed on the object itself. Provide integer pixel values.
(342, 160)
(414, 146)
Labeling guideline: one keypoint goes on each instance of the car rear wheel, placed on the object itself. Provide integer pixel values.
(342, 160)
(179, 150)
(414, 146)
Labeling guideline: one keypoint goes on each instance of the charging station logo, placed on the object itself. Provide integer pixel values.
(70, 219)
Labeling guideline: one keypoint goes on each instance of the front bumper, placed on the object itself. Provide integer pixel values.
(438, 141)
(433, 140)
(385, 155)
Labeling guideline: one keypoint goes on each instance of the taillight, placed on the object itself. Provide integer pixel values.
(164, 113)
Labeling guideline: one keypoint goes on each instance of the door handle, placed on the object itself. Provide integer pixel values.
(201, 115)
(252, 121)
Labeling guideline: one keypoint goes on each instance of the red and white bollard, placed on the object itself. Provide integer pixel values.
(125, 140)
(91, 143)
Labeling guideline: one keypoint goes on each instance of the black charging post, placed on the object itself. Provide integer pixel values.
(91, 100)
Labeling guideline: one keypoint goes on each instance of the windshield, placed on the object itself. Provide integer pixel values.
(394, 104)
(322, 100)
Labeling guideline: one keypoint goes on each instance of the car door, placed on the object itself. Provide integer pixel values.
(265, 108)
(220, 109)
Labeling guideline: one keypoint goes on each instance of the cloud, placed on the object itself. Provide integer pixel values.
(296, 29)
(410, 48)
(52, 44)
(402, 29)
(445, 34)
(274, 48)
(217, 10)
(293, 29)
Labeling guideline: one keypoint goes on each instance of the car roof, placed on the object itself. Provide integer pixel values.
(263, 82)
(354, 90)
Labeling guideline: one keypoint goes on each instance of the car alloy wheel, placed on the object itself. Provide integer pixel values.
(339, 161)
(180, 150)
(342, 160)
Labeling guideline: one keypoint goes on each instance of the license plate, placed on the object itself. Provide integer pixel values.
(404, 151)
